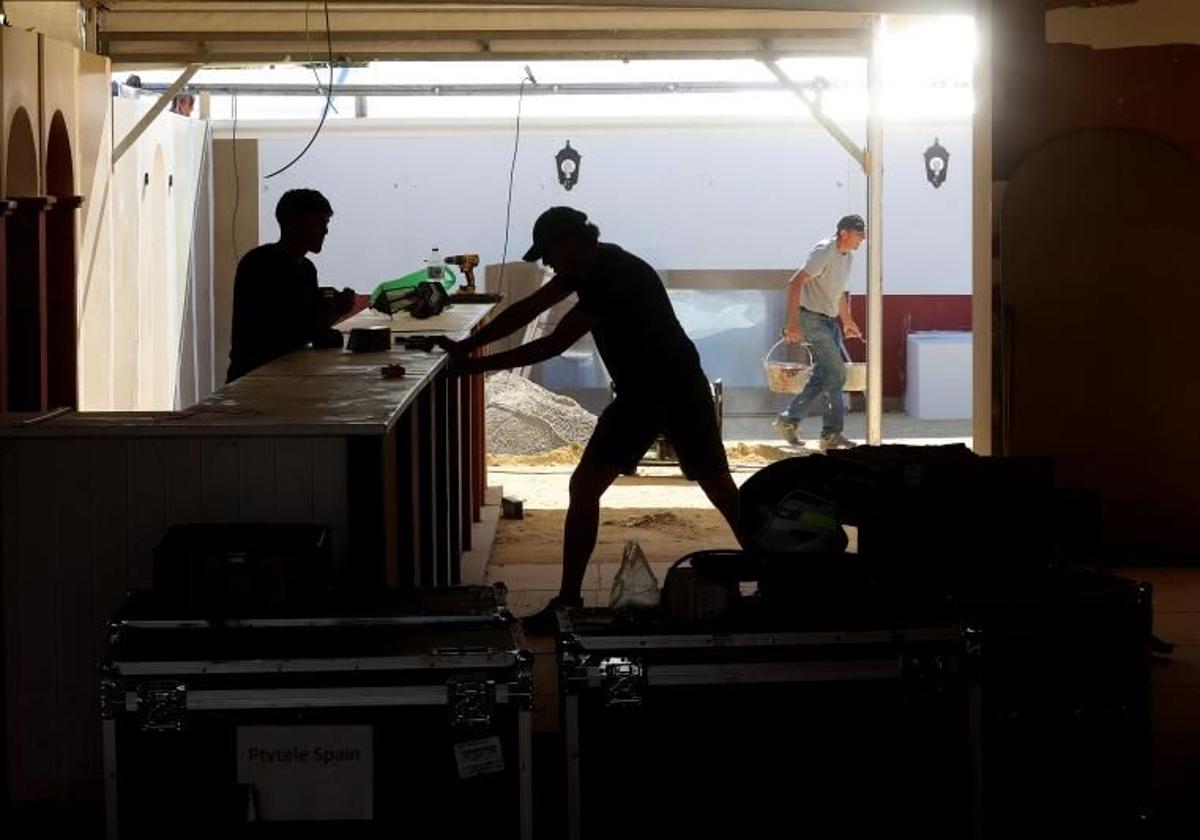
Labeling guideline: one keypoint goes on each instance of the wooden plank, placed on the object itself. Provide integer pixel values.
(441, 487)
(220, 483)
(367, 513)
(408, 494)
(78, 629)
(256, 480)
(230, 243)
(389, 503)
(109, 491)
(294, 479)
(460, 319)
(731, 279)
(466, 458)
(146, 509)
(454, 471)
(182, 461)
(29, 539)
(426, 487)
(4, 210)
(330, 493)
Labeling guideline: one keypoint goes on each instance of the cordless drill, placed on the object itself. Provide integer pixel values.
(467, 263)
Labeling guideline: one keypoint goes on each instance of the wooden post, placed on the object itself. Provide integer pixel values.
(6, 207)
(62, 323)
(26, 295)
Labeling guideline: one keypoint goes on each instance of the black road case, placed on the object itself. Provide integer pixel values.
(370, 722)
(757, 732)
(1065, 682)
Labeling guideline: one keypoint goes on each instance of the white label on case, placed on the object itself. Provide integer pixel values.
(308, 772)
(475, 758)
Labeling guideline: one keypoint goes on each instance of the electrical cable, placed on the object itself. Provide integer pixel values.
(512, 169)
(237, 192)
(324, 111)
(312, 65)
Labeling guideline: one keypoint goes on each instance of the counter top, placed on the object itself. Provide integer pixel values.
(306, 393)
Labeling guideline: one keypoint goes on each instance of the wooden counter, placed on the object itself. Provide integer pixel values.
(391, 466)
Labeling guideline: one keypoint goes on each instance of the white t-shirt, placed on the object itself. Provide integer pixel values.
(828, 270)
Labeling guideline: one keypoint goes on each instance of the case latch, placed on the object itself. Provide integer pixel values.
(470, 702)
(162, 706)
(624, 681)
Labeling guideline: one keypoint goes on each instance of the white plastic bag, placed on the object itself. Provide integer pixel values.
(635, 586)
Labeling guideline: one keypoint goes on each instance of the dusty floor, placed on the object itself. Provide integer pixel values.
(670, 516)
(666, 514)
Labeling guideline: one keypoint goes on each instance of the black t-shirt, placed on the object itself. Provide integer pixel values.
(277, 308)
(638, 336)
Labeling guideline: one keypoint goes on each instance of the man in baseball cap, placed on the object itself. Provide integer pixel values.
(554, 226)
(655, 369)
(819, 315)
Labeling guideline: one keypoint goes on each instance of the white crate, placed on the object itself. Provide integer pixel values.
(939, 376)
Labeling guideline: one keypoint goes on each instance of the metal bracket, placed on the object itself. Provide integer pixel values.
(112, 693)
(624, 681)
(470, 702)
(927, 675)
(520, 691)
(162, 706)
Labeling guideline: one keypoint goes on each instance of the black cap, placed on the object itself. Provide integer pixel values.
(852, 222)
(552, 227)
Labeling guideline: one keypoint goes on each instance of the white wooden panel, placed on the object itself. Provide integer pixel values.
(29, 538)
(256, 480)
(330, 491)
(109, 492)
(182, 464)
(147, 508)
(219, 479)
(77, 627)
(294, 479)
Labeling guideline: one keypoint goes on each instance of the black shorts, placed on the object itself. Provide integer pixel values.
(686, 417)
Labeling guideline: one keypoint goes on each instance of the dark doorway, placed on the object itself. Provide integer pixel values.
(61, 319)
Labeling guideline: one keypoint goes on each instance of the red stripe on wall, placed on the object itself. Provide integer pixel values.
(904, 314)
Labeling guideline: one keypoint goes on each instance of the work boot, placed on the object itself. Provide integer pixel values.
(836, 441)
(787, 430)
(544, 622)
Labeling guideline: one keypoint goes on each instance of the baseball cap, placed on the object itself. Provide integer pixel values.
(853, 222)
(553, 226)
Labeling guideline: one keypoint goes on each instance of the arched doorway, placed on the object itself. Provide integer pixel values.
(1073, 289)
(61, 316)
(24, 296)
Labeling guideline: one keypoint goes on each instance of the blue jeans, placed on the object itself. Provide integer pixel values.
(824, 337)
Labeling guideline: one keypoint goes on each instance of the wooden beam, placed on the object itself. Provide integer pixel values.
(874, 168)
(157, 108)
(803, 94)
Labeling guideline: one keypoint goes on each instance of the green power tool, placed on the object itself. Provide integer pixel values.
(394, 296)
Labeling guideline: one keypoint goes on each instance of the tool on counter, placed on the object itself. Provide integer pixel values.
(402, 293)
(468, 263)
(392, 371)
(416, 342)
(375, 339)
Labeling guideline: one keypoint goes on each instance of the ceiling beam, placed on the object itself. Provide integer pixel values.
(562, 89)
(866, 7)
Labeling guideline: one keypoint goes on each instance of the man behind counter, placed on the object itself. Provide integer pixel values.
(277, 305)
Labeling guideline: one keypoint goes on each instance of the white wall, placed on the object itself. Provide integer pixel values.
(705, 196)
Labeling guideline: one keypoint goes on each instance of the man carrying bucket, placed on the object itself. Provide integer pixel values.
(819, 313)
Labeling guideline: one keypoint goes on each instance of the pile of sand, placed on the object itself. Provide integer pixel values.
(523, 418)
(564, 456)
(754, 453)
